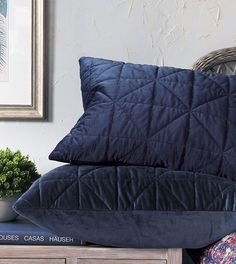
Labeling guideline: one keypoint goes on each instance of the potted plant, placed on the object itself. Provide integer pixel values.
(17, 173)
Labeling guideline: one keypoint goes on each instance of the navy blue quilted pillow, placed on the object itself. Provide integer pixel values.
(155, 116)
(132, 206)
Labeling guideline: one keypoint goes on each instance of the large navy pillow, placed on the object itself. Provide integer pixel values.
(155, 116)
(132, 206)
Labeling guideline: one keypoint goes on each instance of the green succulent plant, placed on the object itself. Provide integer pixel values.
(17, 173)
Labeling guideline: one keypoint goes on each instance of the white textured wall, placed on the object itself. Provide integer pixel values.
(164, 32)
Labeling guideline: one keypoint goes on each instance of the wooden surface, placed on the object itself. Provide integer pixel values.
(81, 252)
(174, 255)
(121, 261)
(87, 255)
(32, 261)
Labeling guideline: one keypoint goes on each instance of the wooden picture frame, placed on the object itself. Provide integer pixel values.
(35, 108)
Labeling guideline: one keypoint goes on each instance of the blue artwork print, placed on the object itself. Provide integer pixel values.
(3, 7)
(3, 39)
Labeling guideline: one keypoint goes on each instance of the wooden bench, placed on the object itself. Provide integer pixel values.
(87, 255)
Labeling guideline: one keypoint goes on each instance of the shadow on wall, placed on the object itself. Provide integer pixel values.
(49, 61)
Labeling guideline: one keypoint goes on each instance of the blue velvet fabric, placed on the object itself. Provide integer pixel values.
(154, 116)
(132, 206)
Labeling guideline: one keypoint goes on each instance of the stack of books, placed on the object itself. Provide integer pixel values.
(23, 232)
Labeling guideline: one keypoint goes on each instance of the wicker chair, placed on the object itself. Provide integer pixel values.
(220, 61)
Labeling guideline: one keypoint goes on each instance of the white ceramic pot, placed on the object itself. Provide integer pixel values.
(6, 211)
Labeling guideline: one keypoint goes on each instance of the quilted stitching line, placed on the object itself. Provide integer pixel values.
(103, 63)
(154, 179)
(215, 116)
(166, 125)
(131, 138)
(29, 204)
(112, 114)
(209, 163)
(130, 151)
(187, 132)
(180, 82)
(157, 188)
(177, 71)
(138, 129)
(207, 131)
(137, 89)
(140, 69)
(144, 189)
(97, 76)
(90, 72)
(228, 149)
(131, 178)
(84, 72)
(143, 141)
(230, 165)
(105, 95)
(91, 105)
(92, 92)
(216, 179)
(125, 78)
(78, 188)
(128, 180)
(83, 78)
(217, 84)
(97, 195)
(150, 111)
(40, 194)
(219, 196)
(117, 188)
(226, 132)
(195, 190)
(147, 79)
(205, 150)
(172, 93)
(53, 180)
(156, 105)
(87, 173)
(95, 103)
(207, 102)
(174, 196)
(107, 63)
(61, 193)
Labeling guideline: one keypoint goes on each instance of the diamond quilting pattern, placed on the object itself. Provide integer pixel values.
(155, 116)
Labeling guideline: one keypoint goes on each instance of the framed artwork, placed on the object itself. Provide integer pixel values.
(21, 59)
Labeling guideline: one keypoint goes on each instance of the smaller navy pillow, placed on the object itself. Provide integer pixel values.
(153, 116)
(132, 206)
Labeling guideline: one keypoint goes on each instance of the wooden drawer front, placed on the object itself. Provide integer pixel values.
(32, 261)
(120, 261)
